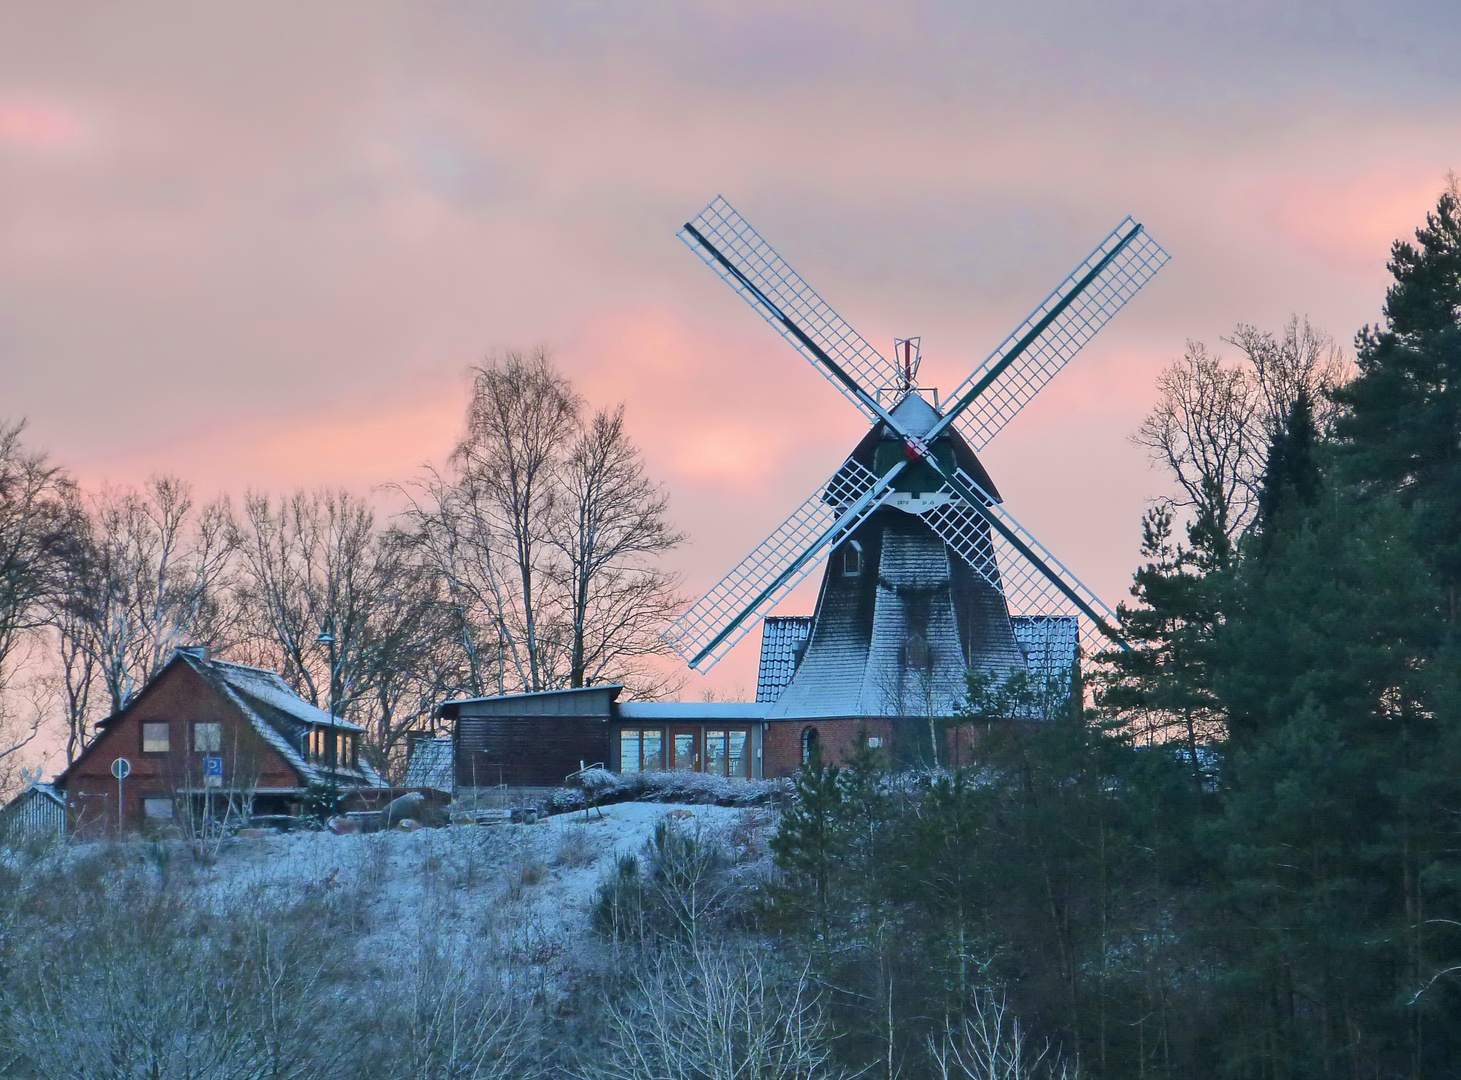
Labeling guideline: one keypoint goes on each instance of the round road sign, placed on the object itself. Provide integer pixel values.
(121, 767)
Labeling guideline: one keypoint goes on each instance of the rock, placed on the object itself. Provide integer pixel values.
(252, 834)
(408, 825)
(342, 826)
(413, 805)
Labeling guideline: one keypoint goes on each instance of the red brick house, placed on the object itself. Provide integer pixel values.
(271, 745)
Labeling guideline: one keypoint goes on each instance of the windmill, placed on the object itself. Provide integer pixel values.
(927, 566)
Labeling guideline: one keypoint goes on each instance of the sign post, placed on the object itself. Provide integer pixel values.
(121, 769)
(212, 778)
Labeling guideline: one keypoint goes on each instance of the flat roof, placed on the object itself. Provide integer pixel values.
(616, 687)
(692, 710)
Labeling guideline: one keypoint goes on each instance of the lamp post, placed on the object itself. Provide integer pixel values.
(327, 639)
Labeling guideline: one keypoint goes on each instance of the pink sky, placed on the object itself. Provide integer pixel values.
(260, 248)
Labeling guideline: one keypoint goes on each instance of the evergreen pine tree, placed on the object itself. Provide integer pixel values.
(810, 845)
(1291, 478)
(1402, 428)
(1163, 680)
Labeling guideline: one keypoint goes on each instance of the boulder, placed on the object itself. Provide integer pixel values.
(342, 826)
(408, 825)
(413, 805)
(252, 834)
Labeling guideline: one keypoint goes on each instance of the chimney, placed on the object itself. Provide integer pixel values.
(199, 652)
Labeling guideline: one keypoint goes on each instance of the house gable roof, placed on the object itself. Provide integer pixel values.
(280, 716)
(277, 714)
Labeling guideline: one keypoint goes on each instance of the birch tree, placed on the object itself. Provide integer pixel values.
(612, 523)
(156, 576)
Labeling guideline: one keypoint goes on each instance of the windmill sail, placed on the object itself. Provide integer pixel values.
(727, 612)
(1009, 564)
(1055, 331)
(1006, 555)
(735, 251)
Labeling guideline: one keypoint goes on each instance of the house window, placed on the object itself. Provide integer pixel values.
(715, 756)
(851, 559)
(641, 750)
(654, 750)
(155, 738)
(207, 738)
(811, 745)
(157, 809)
(727, 753)
(875, 742)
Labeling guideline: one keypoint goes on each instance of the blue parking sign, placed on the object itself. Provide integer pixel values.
(212, 771)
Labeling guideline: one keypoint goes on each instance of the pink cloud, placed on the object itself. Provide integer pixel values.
(37, 125)
(1348, 221)
(357, 444)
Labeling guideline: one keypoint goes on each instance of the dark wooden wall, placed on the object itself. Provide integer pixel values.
(527, 751)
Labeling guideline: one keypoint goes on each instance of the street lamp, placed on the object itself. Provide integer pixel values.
(328, 639)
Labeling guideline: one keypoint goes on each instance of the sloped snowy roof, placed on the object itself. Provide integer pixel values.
(431, 765)
(280, 716)
(781, 638)
(1049, 643)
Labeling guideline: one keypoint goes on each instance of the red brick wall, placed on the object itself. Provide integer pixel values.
(178, 697)
(837, 738)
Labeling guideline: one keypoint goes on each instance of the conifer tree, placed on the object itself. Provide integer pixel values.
(1402, 428)
(810, 844)
(1291, 477)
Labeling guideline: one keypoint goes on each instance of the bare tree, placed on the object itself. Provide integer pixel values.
(309, 566)
(453, 530)
(1300, 359)
(715, 1014)
(1214, 421)
(990, 1044)
(543, 538)
(317, 564)
(37, 519)
(153, 575)
(522, 415)
(1207, 429)
(611, 524)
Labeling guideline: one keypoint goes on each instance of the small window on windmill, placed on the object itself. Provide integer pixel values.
(916, 653)
(851, 559)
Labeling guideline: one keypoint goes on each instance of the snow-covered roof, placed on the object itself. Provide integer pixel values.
(614, 688)
(280, 716)
(37, 790)
(431, 765)
(782, 637)
(693, 710)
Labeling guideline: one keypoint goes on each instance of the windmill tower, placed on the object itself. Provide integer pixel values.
(929, 577)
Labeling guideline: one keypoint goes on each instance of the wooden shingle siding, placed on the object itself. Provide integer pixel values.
(526, 751)
(35, 813)
(530, 740)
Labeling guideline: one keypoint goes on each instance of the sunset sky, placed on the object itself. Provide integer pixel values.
(260, 247)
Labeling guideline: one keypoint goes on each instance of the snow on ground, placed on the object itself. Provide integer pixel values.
(524, 891)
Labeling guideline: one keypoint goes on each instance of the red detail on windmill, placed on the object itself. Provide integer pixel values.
(905, 350)
(915, 449)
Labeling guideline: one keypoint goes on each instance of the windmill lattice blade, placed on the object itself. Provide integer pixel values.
(758, 273)
(1027, 587)
(727, 612)
(1011, 389)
